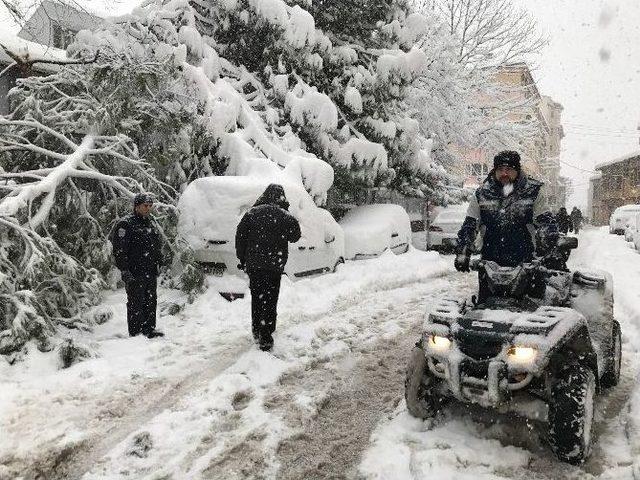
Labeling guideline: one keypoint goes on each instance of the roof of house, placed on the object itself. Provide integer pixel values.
(608, 163)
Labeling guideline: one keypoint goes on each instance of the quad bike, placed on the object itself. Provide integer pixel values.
(515, 352)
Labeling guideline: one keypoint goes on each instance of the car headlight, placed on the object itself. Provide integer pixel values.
(521, 354)
(439, 344)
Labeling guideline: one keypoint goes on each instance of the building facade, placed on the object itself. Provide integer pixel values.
(540, 152)
(616, 183)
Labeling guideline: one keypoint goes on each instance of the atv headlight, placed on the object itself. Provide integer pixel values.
(521, 354)
(438, 343)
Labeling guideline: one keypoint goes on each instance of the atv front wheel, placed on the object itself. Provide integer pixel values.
(422, 401)
(611, 375)
(571, 413)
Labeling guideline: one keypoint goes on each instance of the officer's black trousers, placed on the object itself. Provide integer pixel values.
(141, 305)
(265, 289)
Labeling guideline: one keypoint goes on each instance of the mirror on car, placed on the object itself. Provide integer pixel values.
(567, 243)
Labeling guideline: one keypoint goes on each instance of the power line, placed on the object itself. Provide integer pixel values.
(577, 168)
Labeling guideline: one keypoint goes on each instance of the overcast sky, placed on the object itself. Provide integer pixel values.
(592, 67)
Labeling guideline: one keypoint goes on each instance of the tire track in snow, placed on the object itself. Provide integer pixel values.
(351, 398)
(150, 399)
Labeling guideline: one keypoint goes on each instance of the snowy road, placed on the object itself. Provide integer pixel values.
(328, 403)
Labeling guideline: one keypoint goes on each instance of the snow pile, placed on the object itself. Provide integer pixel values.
(307, 106)
(371, 229)
(404, 66)
(30, 51)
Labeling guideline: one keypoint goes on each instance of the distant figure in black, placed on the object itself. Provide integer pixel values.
(576, 219)
(262, 247)
(563, 220)
(136, 247)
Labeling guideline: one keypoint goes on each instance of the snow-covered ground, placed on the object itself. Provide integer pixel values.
(205, 387)
(204, 403)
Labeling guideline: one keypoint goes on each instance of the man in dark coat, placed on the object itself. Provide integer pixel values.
(507, 209)
(563, 220)
(262, 247)
(137, 250)
(576, 219)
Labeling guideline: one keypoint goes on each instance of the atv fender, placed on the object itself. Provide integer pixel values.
(575, 349)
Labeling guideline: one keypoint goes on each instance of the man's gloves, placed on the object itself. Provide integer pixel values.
(126, 276)
(462, 262)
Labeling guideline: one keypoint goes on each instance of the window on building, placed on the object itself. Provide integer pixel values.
(62, 37)
(477, 169)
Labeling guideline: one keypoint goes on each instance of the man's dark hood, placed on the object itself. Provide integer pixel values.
(273, 195)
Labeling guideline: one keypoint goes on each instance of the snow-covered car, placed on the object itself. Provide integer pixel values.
(369, 230)
(443, 231)
(620, 217)
(634, 226)
(628, 230)
(210, 209)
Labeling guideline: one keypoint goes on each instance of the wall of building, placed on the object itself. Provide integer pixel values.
(619, 185)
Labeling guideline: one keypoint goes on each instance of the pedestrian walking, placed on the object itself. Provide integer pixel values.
(576, 219)
(137, 249)
(563, 220)
(262, 247)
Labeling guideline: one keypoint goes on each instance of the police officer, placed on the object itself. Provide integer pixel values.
(510, 212)
(137, 250)
(262, 247)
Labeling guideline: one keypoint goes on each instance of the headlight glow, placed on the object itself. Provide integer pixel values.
(438, 343)
(522, 354)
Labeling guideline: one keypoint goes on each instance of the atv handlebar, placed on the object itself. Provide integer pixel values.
(477, 264)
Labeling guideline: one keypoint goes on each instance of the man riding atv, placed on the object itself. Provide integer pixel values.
(506, 209)
(540, 340)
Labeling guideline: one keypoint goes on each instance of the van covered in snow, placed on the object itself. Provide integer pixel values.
(210, 209)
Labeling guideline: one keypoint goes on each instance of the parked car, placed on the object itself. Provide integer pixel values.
(210, 209)
(369, 230)
(620, 217)
(634, 226)
(628, 230)
(443, 230)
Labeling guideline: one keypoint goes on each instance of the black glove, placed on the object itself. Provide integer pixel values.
(462, 262)
(126, 276)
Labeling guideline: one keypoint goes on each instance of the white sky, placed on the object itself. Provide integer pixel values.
(592, 67)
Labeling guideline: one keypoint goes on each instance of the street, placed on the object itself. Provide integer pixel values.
(204, 403)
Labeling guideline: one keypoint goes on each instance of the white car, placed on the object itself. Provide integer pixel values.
(443, 230)
(628, 230)
(369, 230)
(620, 217)
(634, 226)
(210, 209)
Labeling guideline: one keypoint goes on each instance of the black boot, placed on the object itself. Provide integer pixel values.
(153, 333)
